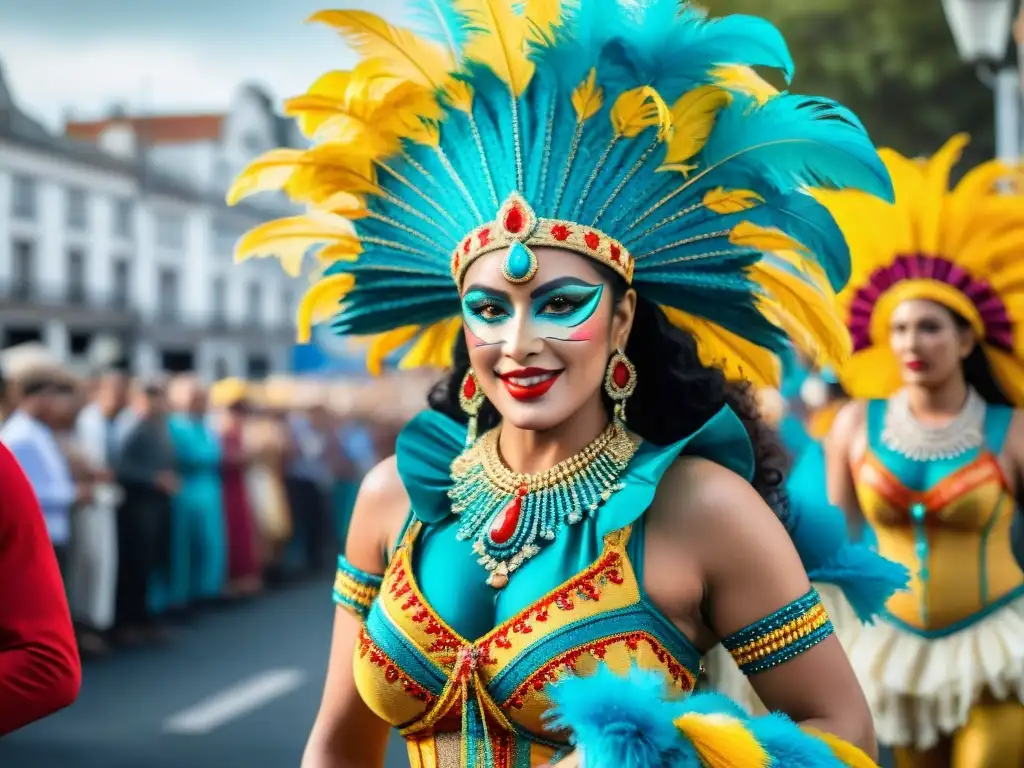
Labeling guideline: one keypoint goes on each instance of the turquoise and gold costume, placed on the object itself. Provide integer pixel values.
(946, 661)
(636, 135)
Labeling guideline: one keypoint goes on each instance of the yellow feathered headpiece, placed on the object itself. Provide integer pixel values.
(635, 134)
(960, 248)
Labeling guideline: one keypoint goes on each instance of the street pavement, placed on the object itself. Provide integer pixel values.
(237, 687)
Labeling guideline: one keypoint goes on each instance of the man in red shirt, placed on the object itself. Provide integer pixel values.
(40, 671)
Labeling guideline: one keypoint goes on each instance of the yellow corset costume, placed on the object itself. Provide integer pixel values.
(957, 635)
(477, 697)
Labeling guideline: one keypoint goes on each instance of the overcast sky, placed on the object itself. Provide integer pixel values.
(163, 55)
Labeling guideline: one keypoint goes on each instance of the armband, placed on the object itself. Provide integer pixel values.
(783, 635)
(355, 589)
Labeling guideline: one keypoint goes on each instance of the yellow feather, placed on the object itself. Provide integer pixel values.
(936, 190)
(270, 171)
(721, 200)
(543, 16)
(499, 41)
(744, 80)
(321, 302)
(640, 108)
(587, 98)
(739, 359)
(434, 346)
(844, 751)
(722, 742)
(761, 238)
(345, 204)
(459, 94)
(407, 56)
(329, 169)
(693, 117)
(811, 304)
(385, 343)
(290, 238)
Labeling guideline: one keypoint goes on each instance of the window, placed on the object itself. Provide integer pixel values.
(254, 303)
(121, 284)
(76, 276)
(24, 203)
(257, 367)
(288, 304)
(225, 235)
(170, 231)
(124, 214)
(219, 302)
(23, 275)
(77, 213)
(167, 298)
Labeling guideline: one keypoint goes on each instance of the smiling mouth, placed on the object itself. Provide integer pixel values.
(529, 383)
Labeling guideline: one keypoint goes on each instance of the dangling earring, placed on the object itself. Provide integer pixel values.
(619, 383)
(471, 398)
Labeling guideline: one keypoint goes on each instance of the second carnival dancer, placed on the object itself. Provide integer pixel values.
(574, 209)
(931, 452)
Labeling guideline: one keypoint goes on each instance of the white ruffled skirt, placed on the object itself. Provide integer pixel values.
(919, 690)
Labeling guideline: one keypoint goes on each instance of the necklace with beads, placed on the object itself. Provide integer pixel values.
(905, 435)
(509, 514)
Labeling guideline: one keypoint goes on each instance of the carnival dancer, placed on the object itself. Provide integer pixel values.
(591, 205)
(930, 455)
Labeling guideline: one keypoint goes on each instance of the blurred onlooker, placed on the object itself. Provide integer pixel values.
(145, 468)
(243, 551)
(309, 483)
(94, 555)
(268, 440)
(198, 542)
(30, 435)
(355, 457)
(40, 672)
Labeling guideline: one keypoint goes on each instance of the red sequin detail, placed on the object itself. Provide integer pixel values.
(514, 220)
(466, 245)
(484, 236)
(592, 240)
(455, 262)
(392, 674)
(567, 662)
(420, 613)
(560, 232)
(615, 251)
(620, 375)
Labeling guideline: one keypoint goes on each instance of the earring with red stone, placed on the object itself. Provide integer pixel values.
(620, 383)
(471, 398)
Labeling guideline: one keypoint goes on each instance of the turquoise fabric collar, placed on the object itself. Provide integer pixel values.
(431, 441)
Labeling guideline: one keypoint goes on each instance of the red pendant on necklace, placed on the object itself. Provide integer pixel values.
(505, 523)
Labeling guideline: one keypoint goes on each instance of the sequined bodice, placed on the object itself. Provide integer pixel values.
(948, 521)
(443, 653)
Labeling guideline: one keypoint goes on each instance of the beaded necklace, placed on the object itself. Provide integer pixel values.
(509, 514)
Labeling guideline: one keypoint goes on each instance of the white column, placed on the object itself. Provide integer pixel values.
(1007, 93)
(57, 339)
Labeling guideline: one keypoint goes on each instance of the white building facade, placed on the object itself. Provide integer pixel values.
(119, 230)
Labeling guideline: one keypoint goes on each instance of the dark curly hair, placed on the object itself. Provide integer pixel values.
(675, 394)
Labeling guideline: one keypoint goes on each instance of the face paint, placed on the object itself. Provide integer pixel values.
(487, 315)
(562, 311)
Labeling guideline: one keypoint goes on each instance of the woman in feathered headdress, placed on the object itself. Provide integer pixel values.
(592, 205)
(931, 452)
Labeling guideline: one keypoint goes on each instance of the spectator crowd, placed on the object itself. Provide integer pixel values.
(164, 498)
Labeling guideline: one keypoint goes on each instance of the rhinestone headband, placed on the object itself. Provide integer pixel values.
(517, 227)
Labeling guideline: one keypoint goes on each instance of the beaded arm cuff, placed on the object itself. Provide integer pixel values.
(781, 636)
(355, 589)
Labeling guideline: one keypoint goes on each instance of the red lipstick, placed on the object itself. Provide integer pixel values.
(529, 383)
(916, 365)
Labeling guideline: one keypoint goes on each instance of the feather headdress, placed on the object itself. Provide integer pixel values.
(959, 247)
(635, 133)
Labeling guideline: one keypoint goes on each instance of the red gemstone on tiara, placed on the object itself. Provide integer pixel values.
(484, 236)
(616, 252)
(469, 388)
(560, 232)
(621, 375)
(592, 240)
(465, 245)
(514, 220)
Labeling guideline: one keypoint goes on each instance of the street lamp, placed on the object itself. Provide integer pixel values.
(981, 28)
(982, 32)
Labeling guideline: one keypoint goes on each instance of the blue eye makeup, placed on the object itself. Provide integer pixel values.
(568, 305)
(485, 307)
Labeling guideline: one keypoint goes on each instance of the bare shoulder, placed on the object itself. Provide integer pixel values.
(707, 501)
(379, 513)
(850, 418)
